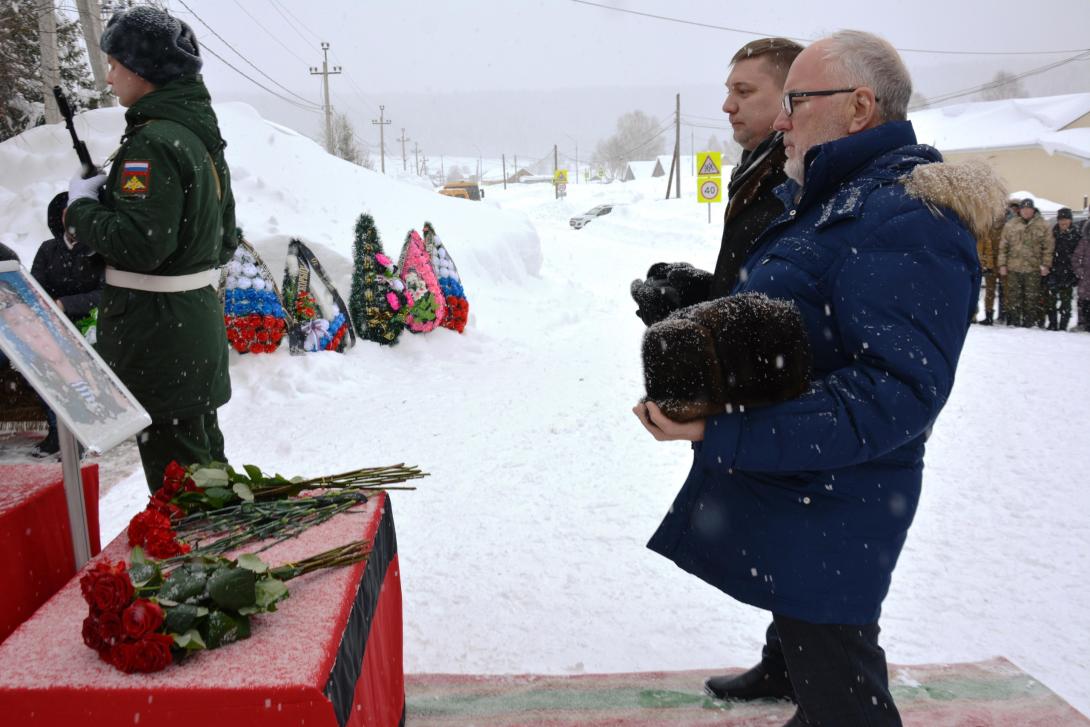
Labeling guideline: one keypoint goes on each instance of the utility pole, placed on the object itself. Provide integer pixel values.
(51, 75)
(403, 139)
(416, 158)
(325, 73)
(91, 23)
(423, 165)
(677, 145)
(556, 165)
(382, 122)
(442, 169)
(503, 157)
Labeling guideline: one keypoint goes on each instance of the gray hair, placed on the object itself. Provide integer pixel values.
(868, 60)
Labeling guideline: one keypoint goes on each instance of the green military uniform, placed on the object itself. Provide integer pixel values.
(1025, 247)
(167, 211)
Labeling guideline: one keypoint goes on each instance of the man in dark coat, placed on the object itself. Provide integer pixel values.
(73, 279)
(1061, 281)
(7, 254)
(754, 86)
(802, 507)
(166, 222)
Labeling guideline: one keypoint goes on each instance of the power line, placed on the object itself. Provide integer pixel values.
(240, 55)
(257, 83)
(269, 33)
(1001, 82)
(810, 40)
(292, 25)
(280, 7)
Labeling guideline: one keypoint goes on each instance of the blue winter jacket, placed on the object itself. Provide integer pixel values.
(802, 507)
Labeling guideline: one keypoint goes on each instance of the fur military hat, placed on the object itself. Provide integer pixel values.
(152, 44)
(740, 351)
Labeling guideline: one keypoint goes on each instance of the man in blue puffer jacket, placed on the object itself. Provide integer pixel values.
(802, 507)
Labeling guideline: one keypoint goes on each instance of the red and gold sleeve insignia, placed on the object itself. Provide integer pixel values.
(135, 179)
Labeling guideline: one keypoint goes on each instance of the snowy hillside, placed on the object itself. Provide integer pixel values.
(524, 550)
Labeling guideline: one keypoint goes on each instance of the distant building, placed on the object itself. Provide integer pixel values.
(643, 170)
(1037, 144)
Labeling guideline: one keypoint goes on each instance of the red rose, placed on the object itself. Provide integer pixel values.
(142, 617)
(174, 474)
(163, 544)
(101, 631)
(143, 524)
(106, 587)
(151, 653)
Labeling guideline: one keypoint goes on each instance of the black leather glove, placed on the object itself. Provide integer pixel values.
(668, 287)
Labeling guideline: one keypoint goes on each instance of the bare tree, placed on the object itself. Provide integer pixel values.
(713, 144)
(22, 101)
(638, 136)
(346, 144)
(455, 174)
(1004, 85)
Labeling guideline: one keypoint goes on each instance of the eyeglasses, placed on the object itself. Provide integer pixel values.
(790, 96)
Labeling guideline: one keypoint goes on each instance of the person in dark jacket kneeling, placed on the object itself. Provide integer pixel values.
(165, 223)
(72, 278)
(802, 507)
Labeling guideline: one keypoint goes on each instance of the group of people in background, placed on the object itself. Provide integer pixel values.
(1034, 270)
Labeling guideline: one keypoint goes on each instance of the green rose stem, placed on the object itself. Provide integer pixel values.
(348, 554)
(214, 532)
(373, 478)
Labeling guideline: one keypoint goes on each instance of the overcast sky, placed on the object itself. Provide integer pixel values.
(390, 50)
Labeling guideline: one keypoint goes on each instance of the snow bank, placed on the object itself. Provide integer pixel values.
(285, 186)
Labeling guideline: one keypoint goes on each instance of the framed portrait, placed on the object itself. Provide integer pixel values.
(60, 364)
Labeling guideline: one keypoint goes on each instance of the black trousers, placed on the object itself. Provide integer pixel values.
(838, 672)
(190, 440)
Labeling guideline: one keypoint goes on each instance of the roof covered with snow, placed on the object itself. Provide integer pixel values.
(1010, 123)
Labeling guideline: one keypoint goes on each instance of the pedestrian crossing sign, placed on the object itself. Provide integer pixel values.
(709, 163)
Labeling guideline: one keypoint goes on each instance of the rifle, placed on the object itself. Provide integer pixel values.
(88, 167)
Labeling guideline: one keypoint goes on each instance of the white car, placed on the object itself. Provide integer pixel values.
(580, 221)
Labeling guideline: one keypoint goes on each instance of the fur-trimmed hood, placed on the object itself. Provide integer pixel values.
(972, 190)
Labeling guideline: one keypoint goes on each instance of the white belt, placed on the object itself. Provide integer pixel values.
(161, 283)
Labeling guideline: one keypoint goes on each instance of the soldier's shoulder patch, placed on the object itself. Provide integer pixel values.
(135, 178)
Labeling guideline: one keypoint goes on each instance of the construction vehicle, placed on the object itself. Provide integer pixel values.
(465, 190)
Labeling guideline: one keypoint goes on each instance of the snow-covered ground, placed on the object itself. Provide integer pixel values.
(524, 550)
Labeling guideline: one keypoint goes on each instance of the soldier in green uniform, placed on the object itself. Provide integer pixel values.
(164, 222)
(1025, 257)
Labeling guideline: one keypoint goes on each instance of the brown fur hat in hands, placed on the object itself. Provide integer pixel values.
(741, 351)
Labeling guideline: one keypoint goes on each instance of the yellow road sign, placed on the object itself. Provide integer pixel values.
(709, 189)
(709, 163)
(560, 176)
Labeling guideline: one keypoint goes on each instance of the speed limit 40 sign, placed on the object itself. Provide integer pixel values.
(709, 189)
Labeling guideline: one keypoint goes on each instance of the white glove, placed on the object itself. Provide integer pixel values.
(79, 188)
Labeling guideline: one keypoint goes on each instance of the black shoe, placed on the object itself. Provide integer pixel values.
(757, 683)
(987, 321)
(48, 446)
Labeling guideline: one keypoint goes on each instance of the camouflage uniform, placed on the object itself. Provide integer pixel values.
(1025, 250)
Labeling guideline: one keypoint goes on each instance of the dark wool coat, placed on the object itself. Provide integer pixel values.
(802, 507)
(70, 276)
(170, 349)
(1062, 275)
(751, 207)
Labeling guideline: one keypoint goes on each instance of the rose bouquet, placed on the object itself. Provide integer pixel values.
(210, 509)
(144, 618)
